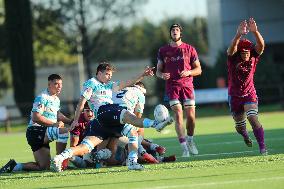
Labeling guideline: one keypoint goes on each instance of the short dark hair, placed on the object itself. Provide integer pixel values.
(105, 66)
(53, 77)
(140, 84)
(176, 26)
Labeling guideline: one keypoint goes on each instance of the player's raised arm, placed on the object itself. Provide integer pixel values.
(242, 30)
(148, 71)
(259, 47)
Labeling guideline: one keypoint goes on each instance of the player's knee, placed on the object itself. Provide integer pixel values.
(43, 166)
(252, 113)
(63, 137)
(125, 116)
(128, 130)
(190, 103)
(131, 133)
(88, 144)
(175, 105)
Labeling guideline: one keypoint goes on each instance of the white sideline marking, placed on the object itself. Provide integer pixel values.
(219, 183)
(218, 143)
(224, 153)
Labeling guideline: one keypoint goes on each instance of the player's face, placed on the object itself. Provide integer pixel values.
(175, 34)
(88, 114)
(245, 55)
(55, 86)
(104, 76)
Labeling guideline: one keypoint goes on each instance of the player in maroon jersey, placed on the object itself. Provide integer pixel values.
(243, 57)
(178, 63)
(77, 134)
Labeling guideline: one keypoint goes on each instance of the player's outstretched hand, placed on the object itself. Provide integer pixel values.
(148, 71)
(243, 28)
(252, 25)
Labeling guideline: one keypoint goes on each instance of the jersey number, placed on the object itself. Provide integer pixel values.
(121, 94)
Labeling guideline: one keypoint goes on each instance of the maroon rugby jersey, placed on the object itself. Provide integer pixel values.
(80, 129)
(241, 74)
(175, 60)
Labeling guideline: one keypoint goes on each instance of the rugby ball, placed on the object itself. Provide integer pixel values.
(161, 113)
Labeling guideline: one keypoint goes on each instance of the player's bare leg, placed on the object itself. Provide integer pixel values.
(240, 126)
(178, 115)
(85, 147)
(190, 127)
(130, 118)
(251, 112)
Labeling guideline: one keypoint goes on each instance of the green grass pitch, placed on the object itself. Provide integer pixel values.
(223, 161)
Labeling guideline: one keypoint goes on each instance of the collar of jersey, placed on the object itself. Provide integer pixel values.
(141, 89)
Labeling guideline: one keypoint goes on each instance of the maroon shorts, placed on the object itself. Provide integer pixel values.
(181, 93)
(237, 103)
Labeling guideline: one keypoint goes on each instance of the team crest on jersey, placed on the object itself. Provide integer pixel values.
(88, 92)
(38, 105)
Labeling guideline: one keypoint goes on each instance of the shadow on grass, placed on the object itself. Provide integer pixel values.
(226, 145)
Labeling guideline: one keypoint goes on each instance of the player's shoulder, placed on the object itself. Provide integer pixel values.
(43, 95)
(92, 81)
(187, 46)
(164, 47)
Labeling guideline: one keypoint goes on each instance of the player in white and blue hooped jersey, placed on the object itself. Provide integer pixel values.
(131, 97)
(111, 119)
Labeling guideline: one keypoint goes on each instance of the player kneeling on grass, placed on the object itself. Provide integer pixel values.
(46, 125)
(112, 121)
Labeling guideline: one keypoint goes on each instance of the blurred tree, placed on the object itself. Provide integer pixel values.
(5, 75)
(80, 16)
(18, 23)
(51, 45)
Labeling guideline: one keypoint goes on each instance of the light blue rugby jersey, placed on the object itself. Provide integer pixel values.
(131, 97)
(46, 105)
(98, 93)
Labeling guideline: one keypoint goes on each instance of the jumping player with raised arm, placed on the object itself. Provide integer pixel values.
(243, 57)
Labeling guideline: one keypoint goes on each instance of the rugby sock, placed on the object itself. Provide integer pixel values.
(153, 146)
(242, 131)
(141, 150)
(118, 153)
(132, 156)
(241, 128)
(189, 138)
(78, 162)
(148, 123)
(183, 144)
(18, 167)
(259, 135)
(68, 153)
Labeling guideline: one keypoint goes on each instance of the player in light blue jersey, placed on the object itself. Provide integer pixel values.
(46, 125)
(111, 119)
(134, 99)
